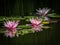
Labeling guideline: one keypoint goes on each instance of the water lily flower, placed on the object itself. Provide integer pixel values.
(43, 12)
(36, 24)
(11, 28)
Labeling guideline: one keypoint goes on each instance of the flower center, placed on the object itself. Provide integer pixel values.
(35, 25)
(11, 29)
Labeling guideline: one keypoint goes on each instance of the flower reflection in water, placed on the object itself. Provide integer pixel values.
(43, 12)
(36, 24)
(11, 28)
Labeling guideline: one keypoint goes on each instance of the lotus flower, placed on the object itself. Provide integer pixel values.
(11, 28)
(36, 24)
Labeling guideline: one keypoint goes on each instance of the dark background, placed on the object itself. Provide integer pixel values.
(26, 7)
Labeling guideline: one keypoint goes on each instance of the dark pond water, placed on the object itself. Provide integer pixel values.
(49, 36)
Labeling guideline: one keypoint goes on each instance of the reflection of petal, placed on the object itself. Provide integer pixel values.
(46, 18)
(37, 29)
(9, 34)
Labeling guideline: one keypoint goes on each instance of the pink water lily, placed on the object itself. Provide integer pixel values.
(36, 24)
(42, 12)
(11, 28)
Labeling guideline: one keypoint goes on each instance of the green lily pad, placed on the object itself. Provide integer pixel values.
(53, 15)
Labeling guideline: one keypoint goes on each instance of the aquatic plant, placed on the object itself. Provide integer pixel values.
(11, 28)
(43, 12)
(36, 24)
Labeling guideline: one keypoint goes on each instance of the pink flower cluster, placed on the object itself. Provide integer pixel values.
(11, 28)
(36, 24)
